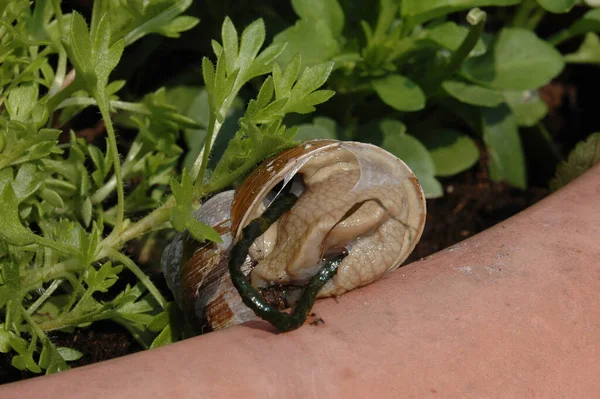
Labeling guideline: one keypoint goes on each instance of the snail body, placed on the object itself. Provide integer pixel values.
(354, 199)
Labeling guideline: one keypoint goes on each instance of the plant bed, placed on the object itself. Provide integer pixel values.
(484, 147)
(472, 204)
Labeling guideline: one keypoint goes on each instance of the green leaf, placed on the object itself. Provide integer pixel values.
(585, 155)
(501, 136)
(69, 354)
(588, 52)
(182, 215)
(328, 11)
(519, 60)
(420, 11)
(450, 36)
(11, 229)
(5, 337)
(303, 96)
(313, 39)
(27, 181)
(473, 94)
(52, 197)
(399, 92)
(51, 359)
(557, 6)
(452, 151)
(136, 19)
(527, 106)
(413, 153)
(20, 102)
(251, 41)
(93, 57)
(321, 128)
(590, 22)
(103, 278)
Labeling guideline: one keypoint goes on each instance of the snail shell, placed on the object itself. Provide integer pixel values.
(353, 197)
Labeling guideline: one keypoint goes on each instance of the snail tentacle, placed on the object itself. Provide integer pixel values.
(251, 297)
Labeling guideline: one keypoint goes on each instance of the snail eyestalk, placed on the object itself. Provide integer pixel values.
(251, 297)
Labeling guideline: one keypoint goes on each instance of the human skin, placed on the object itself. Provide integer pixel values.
(511, 312)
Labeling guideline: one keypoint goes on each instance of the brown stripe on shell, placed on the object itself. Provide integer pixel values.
(261, 179)
(204, 265)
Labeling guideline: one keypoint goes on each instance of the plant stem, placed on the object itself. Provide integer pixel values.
(143, 277)
(108, 187)
(476, 18)
(34, 326)
(47, 293)
(156, 217)
(199, 168)
(37, 277)
(112, 142)
(523, 13)
(559, 37)
(549, 142)
(64, 248)
(536, 18)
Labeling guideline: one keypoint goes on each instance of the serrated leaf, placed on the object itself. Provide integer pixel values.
(93, 57)
(585, 155)
(140, 18)
(399, 92)
(518, 60)
(501, 136)
(284, 81)
(103, 278)
(311, 79)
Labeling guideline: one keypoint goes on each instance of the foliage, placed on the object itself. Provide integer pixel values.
(585, 155)
(415, 77)
(425, 67)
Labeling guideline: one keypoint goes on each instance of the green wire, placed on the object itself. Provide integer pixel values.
(250, 296)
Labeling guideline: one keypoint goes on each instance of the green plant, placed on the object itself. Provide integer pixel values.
(585, 155)
(68, 205)
(62, 228)
(426, 88)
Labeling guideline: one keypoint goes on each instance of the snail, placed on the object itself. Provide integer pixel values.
(316, 220)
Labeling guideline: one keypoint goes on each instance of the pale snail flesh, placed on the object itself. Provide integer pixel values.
(353, 197)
